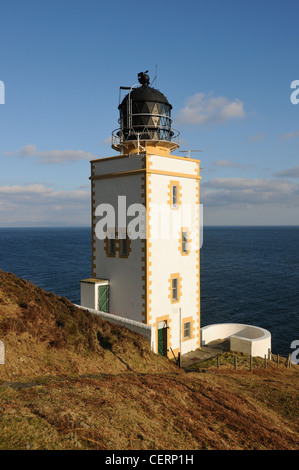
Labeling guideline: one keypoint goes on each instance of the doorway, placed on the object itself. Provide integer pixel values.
(162, 338)
(103, 298)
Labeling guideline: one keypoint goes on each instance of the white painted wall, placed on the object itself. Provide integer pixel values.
(248, 339)
(90, 292)
(166, 257)
(88, 298)
(124, 274)
(117, 164)
(141, 328)
(180, 165)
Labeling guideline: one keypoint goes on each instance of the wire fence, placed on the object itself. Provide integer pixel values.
(237, 362)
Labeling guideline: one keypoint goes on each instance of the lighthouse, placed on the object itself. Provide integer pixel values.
(146, 225)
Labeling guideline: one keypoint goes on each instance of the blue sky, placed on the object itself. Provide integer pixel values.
(225, 66)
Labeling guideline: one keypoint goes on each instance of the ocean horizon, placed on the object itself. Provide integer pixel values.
(249, 274)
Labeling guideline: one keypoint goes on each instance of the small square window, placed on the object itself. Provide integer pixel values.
(174, 289)
(187, 330)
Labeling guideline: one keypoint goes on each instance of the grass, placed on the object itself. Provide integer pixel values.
(73, 381)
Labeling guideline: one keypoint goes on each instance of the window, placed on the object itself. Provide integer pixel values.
(124, 247)
(175, 289)
(124, 243)
(184, 242)
(111, 246)
(117, 244)
(174, 195)
(103, 298)
(187, 330)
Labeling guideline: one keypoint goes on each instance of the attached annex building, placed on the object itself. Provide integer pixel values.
(147, 271)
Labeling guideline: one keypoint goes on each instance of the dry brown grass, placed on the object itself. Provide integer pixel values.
(73, 381)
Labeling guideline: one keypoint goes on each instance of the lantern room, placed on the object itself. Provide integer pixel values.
(145, 115)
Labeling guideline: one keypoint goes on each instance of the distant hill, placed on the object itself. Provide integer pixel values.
(73, 381)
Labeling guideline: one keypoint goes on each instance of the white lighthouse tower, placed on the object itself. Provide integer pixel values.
(146, 225)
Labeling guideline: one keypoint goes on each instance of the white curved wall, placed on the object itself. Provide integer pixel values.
(248, 339)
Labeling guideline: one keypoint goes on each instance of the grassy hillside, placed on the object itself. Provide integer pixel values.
(73, 381)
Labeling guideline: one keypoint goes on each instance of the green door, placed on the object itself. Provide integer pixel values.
(162, 341)
(103, 303)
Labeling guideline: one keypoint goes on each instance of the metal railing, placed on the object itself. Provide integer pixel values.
(144, 133)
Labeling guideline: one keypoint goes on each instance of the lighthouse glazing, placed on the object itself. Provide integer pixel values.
(146, 263)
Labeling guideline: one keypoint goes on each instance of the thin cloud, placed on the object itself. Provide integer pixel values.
(288, 172)
(38, 205)
(50, 156)
(290, 135)
(202, 109)
(244, 192)
(257, 138)
(228, 164)
(42, 191)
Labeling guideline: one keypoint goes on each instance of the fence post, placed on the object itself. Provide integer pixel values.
(278, 359)
(265, 361)
(235, 362)
(218, 362)
(250, 362)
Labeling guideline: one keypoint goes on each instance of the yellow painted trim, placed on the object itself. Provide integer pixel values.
(114, 157)
(176, 175)
(160, 147)
(93, 222)
(143, 253)
(144, 170)
(148, 243)
(179, 158)
(94, 281)
(121, 173)
(127, 155)
(197, 195)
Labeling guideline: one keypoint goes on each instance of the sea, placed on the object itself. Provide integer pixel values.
(247, 274)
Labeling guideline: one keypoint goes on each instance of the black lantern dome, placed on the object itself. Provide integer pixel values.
(145, 114)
